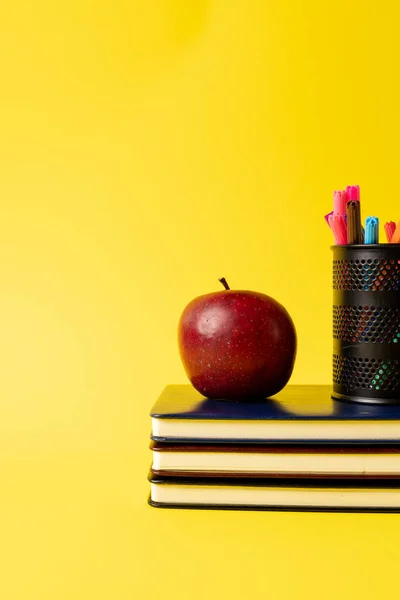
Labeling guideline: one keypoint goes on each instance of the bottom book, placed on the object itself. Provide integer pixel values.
(264, 494)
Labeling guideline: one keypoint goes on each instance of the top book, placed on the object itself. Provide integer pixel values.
(296, 415)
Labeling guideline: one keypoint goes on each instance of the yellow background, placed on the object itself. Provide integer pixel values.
(146, 149)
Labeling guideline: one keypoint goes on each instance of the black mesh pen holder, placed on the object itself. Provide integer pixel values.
(366, 323)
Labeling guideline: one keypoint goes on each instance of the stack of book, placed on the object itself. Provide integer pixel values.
(299, 451)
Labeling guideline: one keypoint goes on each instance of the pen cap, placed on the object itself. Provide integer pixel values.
(366, 323)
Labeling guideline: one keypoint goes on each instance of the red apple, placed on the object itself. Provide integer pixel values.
(237, 345)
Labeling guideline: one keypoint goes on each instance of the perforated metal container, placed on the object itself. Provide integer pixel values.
(366, 323)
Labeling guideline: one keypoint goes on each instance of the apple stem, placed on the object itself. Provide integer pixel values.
(224, 283)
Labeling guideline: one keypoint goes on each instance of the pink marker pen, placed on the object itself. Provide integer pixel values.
(353, 193)
(339, 202)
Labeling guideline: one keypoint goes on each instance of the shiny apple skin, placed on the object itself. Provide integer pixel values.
(237, 345)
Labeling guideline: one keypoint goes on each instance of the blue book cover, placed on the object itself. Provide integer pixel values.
(300, 413)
